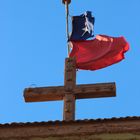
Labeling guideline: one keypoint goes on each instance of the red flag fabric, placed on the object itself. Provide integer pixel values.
(100, 52)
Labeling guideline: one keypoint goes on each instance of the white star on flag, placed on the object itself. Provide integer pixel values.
(88, 27)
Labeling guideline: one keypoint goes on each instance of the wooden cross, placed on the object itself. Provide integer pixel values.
(70, 91)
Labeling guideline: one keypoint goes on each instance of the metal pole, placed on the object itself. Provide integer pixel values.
(67, 25)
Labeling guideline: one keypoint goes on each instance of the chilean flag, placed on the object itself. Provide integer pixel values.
(99, 53)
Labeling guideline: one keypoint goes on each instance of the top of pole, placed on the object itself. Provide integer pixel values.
(64, 1)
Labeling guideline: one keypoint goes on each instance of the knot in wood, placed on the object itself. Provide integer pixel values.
(68, 69)
(97, 89)
(28, 90)
(69, 59)
(67, 110)
(112, 87)
(68, 100)
(83, 90)
(54, 90)
(69, 89)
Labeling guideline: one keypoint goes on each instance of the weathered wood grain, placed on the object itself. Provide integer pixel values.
(80, 92)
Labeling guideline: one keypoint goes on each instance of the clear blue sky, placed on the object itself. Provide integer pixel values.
(33, 49)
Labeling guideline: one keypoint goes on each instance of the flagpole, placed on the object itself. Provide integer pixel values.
(67, 2)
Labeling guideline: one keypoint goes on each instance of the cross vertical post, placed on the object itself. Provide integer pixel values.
(69, 86)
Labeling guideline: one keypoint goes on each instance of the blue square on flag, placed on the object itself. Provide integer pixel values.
(82, 26)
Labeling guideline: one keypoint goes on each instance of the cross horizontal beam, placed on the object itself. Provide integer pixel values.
(40, 94)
